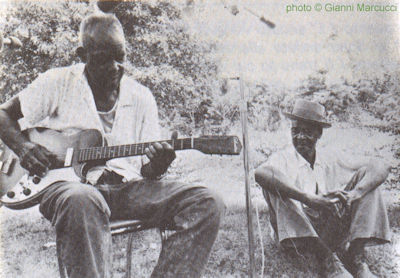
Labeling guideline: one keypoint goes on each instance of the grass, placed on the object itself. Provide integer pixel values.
(24, 234)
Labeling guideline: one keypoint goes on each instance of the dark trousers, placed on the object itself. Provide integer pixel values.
(81, 215)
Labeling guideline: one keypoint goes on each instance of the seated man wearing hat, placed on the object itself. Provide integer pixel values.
(322, 201)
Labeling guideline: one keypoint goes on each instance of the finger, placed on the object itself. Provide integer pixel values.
(35, 167)
(329, 194)
(166, 146)
(348, 204)
(158, 147)
(334, 200)
(169, 152)
(148, 153)
(42, 157)
(174, 135)
(342, 197)
(51, 157)
(154, 151)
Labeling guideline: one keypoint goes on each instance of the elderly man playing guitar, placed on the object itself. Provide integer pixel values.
(96, 95)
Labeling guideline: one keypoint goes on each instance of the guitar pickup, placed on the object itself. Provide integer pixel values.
(6, 166)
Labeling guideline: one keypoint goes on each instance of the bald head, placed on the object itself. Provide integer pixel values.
(100, 28)
(103, 51)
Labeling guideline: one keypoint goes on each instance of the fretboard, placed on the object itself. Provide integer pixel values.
(109, 152)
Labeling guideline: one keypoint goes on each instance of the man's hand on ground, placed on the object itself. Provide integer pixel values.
(36, 159)
(161, 156)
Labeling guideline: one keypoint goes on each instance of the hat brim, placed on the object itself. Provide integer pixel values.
(295, 117)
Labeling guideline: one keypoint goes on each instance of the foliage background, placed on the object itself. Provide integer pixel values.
(182, 70)
(187, 72)
(161, 55)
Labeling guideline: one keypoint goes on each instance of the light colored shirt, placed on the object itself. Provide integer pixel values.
(332, 170)
(107, 118)
(61, 99)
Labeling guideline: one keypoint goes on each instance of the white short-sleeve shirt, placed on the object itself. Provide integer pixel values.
(332, 170)
(61, 99)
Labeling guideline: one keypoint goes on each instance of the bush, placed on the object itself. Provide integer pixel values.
(161, 54)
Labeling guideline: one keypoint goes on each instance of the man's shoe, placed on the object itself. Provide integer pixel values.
(364, 272)
(361, 269)
(334, 268)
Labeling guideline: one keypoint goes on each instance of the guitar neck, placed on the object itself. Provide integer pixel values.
(109, 152)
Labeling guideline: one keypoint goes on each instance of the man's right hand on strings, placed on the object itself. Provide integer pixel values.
(36, 159)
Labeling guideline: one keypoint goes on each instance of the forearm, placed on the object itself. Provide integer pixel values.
(10, 133)
(276, 183)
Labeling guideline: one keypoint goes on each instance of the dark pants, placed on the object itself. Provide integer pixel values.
(81, 215)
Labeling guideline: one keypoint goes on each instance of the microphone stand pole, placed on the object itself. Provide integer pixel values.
(250, 231)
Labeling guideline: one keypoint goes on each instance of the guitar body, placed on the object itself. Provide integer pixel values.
(27, 190)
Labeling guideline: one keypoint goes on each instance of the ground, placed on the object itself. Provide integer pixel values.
(27, 239)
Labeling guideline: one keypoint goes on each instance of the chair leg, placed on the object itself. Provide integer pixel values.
(61, 267)
(129, 256)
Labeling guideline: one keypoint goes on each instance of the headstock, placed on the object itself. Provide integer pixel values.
(229, 145)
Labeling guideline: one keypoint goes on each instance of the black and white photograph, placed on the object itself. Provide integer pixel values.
(199, 138)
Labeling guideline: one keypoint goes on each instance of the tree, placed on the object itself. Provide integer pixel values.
(161, 54)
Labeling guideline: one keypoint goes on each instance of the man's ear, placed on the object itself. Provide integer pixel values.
(81, 53)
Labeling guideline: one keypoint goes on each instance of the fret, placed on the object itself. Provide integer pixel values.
(108, 152)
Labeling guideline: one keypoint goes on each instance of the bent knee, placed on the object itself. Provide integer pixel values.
(215, 203)
(82, 196)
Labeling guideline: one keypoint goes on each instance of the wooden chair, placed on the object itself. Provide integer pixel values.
(119, 228)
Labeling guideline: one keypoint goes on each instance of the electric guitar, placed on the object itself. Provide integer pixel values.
(78, 153)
